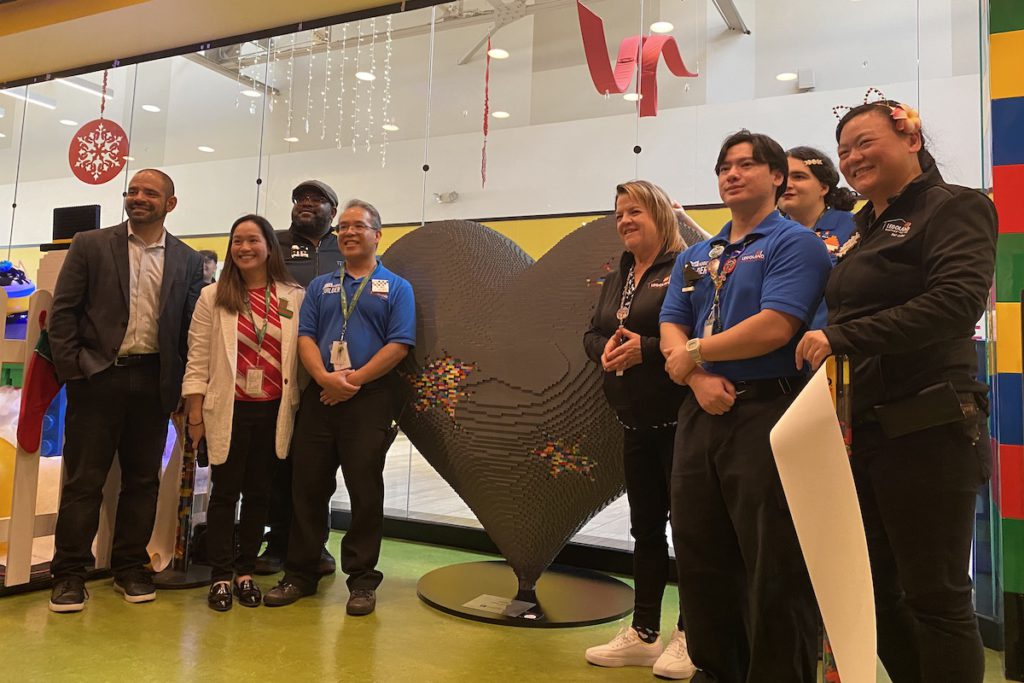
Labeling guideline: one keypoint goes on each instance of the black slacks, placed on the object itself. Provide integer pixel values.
(917, 495)
(647, 461)
(351, 435)
(750, 612)
(116, 410)
(248, 472)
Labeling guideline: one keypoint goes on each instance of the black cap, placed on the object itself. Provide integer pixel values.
(321, 187)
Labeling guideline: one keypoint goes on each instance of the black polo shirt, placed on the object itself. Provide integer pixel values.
(306, 260)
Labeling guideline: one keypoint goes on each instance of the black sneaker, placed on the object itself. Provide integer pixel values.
(326, 565)
(361, 601)
(68, 595)
(136, 587)
(270, 562)
(284, 593)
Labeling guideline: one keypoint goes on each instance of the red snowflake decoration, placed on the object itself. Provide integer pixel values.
(97, 152)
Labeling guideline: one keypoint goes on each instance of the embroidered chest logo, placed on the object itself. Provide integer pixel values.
(897, 228)
(330, 288)
(380, 288)
(657, 284)
(756, 256)
(299, 251)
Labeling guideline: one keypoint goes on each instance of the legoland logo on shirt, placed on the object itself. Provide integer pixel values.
(896, 228)
(756, 256)
(657, 284)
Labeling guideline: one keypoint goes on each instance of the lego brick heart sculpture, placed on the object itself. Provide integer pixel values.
(502, 401)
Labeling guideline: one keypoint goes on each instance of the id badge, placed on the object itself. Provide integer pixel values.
(339, 356)
(709, 325)
(254, 381)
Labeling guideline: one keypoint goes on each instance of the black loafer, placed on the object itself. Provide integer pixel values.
(282, 594)
(219, 598)
(248, 593)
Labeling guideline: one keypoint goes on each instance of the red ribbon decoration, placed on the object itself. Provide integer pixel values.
(648, 49)
(487, 116)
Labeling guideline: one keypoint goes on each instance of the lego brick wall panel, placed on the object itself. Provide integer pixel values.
(1008, 393)
(1011, 481)
(1008, 338)
(1008, 193)
(1007, 124)
(1006, 74)
(1005, 15)
(1013, 555)
(1010, 267)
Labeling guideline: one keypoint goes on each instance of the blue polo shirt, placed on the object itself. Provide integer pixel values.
(783, 267)
(385, 313)
(834, 228)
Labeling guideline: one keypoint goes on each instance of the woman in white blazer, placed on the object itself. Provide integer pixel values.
(241, 392)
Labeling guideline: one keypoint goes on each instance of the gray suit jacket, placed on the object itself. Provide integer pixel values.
(90, 307)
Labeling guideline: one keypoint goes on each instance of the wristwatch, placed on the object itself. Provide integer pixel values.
(693, 348)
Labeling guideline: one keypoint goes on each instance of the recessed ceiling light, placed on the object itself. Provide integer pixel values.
(3, 135)
(37, 100)
(498, 53)
(662, 27)
(365, 76)
(84, 85)
(129, 158)
(252, 93)
(291, 139)
(204, 148)
(390, 127)
(500, 114)
(786, 76)
(151, 108)
(68, 122)
(632, 97)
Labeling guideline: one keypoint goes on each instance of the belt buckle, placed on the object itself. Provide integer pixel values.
(118, 363)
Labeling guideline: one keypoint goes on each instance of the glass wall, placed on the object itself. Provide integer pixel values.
(394, 110)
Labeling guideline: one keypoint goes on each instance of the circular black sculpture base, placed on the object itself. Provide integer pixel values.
(565, 596)
(195, 576)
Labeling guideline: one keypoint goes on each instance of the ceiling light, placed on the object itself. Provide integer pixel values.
(500, 114)
(129, 158)
(86, 86)
(3, 112)
(662, 27)
(291, 139)
(204, 148)
(3, 135)
(632, 97)
(68, 122)
(252, 93)
(786, 76)
(365, 76)
(497, 53)
(151, 108)
(390, 127)
(38, 100)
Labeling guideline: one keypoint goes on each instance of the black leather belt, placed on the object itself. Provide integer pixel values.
(968, 403)
(760, 389)
(137, 359)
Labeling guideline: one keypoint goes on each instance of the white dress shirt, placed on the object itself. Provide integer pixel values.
(146, 267)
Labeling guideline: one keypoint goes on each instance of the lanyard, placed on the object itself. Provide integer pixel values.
(719, 274)
(626, 300)
(262, 332)
(346, 308)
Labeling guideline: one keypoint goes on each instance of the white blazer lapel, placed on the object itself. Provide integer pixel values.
(229, 333)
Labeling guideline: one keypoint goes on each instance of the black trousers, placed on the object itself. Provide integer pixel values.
(750, 611)
(917, 495)
(248, 472)
(351, 435)
(117, 410)
(279, 515)
(647, 460)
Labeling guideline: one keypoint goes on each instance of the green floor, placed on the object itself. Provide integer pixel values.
(177, 638)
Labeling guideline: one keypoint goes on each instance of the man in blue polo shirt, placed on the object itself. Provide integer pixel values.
(729, 325)
(355, 326)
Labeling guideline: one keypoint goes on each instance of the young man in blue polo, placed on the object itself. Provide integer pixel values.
(735, 308)
(355, 326)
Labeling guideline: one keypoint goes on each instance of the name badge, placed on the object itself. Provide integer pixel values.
(379, 286)
(339, 356)
(254, 382)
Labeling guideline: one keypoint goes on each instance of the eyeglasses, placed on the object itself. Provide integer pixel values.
(354, 227)
(311, 197)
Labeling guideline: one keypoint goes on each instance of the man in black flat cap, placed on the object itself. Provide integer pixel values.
(310, 248)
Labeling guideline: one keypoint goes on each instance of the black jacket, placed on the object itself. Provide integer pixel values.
(644, 396)
(304, 259)
(904, 300)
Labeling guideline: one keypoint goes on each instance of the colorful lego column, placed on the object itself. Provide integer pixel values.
(1006, 50)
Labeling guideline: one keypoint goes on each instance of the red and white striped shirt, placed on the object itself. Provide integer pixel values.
(266, 356)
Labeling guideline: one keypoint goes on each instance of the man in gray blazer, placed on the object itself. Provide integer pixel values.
(118, 332)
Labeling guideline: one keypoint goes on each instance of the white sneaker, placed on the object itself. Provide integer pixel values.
(625, 649)
(675, 662)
